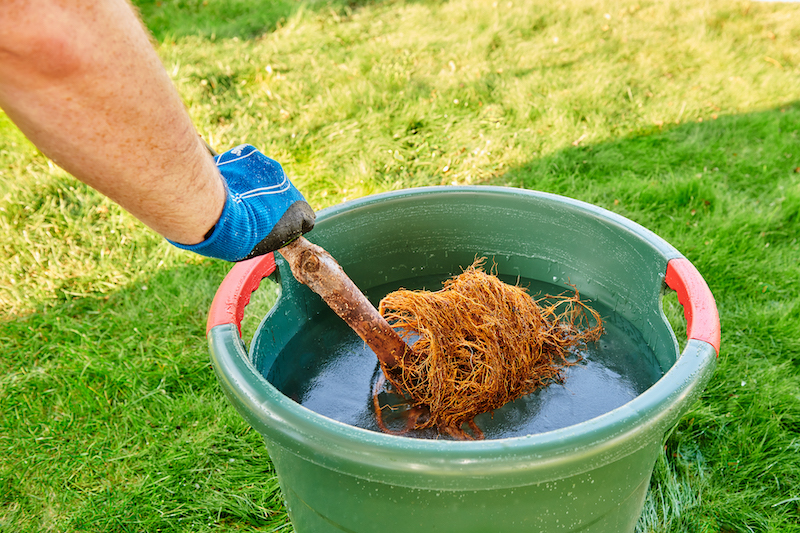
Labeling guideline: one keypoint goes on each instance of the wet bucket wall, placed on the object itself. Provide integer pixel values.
(587, 477)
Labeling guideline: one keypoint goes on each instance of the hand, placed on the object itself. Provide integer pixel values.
(263, 210)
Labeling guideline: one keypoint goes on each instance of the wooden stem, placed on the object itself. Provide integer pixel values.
(314, 267)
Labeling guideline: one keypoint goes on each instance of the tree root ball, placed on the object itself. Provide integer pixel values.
(481, 343)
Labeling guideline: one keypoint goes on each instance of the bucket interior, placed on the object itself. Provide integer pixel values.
(416, 239)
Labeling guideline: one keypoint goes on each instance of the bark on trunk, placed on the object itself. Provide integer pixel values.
(314, 267)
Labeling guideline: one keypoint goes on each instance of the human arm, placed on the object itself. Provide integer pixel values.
(82, 81)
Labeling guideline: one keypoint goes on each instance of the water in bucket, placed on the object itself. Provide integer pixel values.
(329, 370)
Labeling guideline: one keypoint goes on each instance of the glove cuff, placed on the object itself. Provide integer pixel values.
(233, 242)
(220, 243)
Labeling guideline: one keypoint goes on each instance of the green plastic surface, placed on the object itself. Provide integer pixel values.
(588, 477)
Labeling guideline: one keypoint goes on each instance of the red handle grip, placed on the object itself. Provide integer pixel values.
(699, 307)
(234, 292)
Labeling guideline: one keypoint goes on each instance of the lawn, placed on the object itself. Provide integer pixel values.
(683, 116)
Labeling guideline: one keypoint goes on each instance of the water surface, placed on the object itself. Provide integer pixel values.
(329, 370)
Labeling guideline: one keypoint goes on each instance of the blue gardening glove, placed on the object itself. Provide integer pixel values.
(262, 213)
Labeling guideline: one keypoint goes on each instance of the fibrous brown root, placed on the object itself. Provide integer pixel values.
(481, 343)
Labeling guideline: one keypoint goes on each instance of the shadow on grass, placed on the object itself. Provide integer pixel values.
(146, 325)
(230, 18)
(113, 416)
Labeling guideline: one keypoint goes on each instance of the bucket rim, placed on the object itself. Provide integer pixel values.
(327, 214)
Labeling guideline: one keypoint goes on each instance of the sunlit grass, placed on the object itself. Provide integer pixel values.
(680, 115)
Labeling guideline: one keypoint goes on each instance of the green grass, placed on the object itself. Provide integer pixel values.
(212, 19)
(683, 116)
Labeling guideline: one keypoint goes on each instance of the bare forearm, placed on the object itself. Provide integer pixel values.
(82, 81)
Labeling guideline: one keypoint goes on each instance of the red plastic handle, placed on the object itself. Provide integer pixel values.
(699, 307)
(234, 292)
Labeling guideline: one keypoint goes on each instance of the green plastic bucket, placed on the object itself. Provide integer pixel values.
(589, 477)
